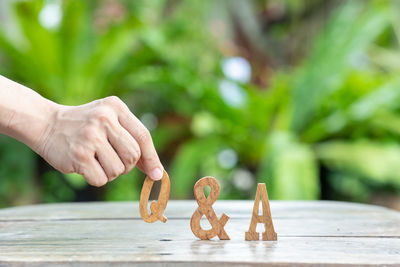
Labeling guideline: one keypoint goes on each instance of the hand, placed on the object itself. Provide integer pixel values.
(99, 140)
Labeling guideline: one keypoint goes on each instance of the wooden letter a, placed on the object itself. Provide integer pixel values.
(265, 218)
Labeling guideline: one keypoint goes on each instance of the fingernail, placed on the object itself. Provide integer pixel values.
(156, 174)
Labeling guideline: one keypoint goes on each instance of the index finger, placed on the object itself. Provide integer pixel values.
(149, 158)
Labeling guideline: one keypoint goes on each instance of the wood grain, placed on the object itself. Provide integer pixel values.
(113, 241)
(310, 210)
(205, 208)
(311, 233)
(156, 207)
(265, 218)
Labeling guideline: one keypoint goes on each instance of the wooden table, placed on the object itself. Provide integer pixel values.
(110, 233)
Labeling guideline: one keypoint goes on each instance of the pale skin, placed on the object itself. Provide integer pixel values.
(99, 140)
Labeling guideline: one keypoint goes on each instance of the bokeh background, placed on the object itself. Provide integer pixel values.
(301, 95)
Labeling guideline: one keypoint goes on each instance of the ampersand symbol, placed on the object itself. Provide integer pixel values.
(205, 208)
(156, 207)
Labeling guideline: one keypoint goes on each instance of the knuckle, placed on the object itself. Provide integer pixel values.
(67, 168)
(128, 169)
(129, 165)
(120, 169)
(133, 157)
(80, 154)
(144, 136)
(103, 115)
(98, 182)
(136, 154)
(90, 134)
(112, 176)
(113, 101)
(129, 160)
(117, 171)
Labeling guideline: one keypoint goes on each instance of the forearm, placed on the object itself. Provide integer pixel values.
(24, 114)
(100, 140)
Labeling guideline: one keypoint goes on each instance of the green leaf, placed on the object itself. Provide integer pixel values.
(186, 164)
(375, 109)
(290, 169)
(354, 27)
(374, 161)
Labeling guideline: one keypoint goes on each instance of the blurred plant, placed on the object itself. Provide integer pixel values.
(337, 96)
(332, 118)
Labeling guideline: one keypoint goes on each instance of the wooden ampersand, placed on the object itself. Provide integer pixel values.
(205, 208)
(156, 207)
(266, 218)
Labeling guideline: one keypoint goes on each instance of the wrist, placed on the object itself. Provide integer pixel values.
(42, 123)
(33, 126)
(25, 115)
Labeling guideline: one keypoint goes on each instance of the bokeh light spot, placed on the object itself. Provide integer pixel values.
(243, 179)
(237, 69)
(232, 94)
(227, 158)
(149, 120)
(51, 14)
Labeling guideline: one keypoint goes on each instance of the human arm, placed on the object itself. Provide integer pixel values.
(100, 140)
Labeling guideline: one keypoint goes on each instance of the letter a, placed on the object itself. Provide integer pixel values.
(265, 218)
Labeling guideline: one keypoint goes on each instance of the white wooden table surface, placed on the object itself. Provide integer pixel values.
(109, 233)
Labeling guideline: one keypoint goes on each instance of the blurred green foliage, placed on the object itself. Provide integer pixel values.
(319, 117)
